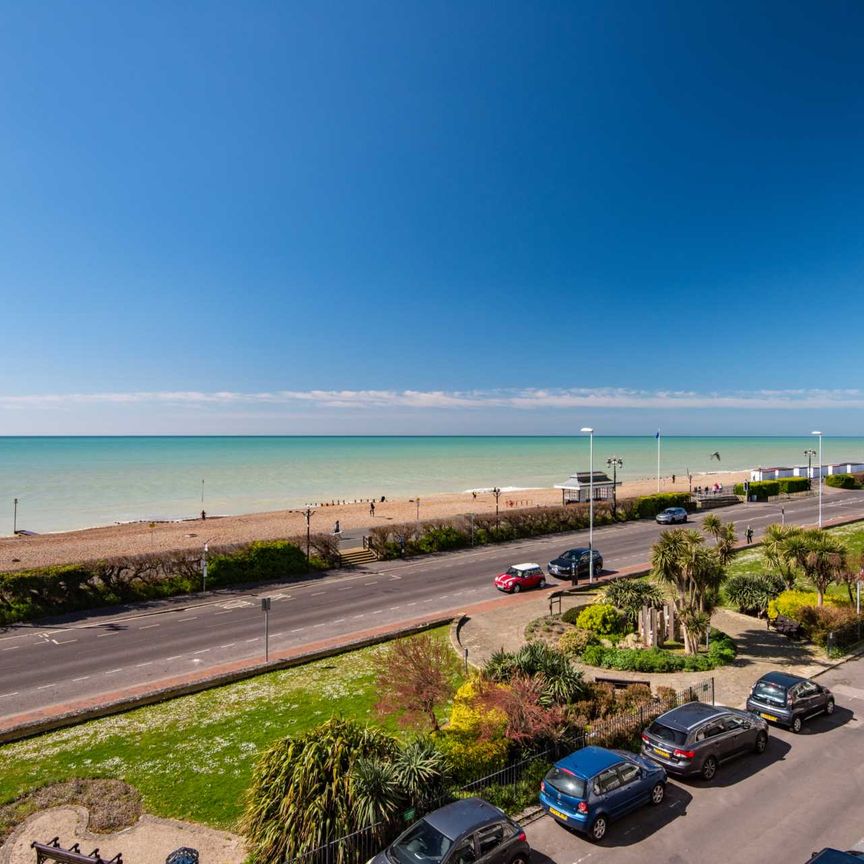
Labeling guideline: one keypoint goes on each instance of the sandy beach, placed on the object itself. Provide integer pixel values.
(17, 553)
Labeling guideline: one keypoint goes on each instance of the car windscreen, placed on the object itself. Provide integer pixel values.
(667, 733)
(767, 691)
(564, 781)
(512, 571)
(422, 842)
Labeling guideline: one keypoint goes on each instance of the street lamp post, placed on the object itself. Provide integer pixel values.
(497, 493)
(615, 462)
(810, 453)
(820, 475)
(590, 432)
(204, 570)
(15, 517)
(307, 513)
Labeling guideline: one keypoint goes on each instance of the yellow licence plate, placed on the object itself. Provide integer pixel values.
(661, 751)
(769, 717)
(557, 813)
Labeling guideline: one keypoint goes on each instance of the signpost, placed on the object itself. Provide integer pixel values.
(265, 608)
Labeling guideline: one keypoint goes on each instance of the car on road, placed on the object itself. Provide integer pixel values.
(574, 563)
(518, 577)
(592, 787)
(695, 738)
(788, 699)
(467, 831)
(835, 856)
(671, 516)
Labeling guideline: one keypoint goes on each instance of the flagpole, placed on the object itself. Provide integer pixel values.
(658, 460)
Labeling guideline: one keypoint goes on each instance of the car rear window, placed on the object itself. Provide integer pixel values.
(566, 782)
(767, 691)
(421, 841)
(667, 733)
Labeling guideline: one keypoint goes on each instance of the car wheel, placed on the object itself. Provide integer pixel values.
(541, 583)
(709, 768)
(761, 742)
(829, 707)
(597, 831)
(796, 725)
(516, 589)
(658, 793)
(519, 859)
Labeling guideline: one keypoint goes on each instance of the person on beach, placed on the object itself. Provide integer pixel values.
(673, 479)
(749, 535)
(371, 508)
(203, 515)
(336, 528)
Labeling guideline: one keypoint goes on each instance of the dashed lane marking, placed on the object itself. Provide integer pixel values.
(226, 612)
(228, 645)
(297, 629)
(13, 648)
(64, 641)
(148, 663)
(191, 618)
(175, 657)
(254, 640)
(338, 620)
(114, 671)
(44, 686)
(4, 695)
(148, 627)
(202, 651)
(82, 678)
(110, 633)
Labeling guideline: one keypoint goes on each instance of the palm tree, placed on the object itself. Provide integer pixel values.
(825, 561)
(780, 551)
(723, 534)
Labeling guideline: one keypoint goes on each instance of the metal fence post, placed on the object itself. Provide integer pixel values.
(712, 690)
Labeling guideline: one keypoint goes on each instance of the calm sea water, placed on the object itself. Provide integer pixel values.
(65, 483)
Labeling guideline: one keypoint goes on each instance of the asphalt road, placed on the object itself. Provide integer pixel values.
(803, 794)
(43, 666)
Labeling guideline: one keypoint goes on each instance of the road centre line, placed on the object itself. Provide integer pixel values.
(148, 663)
(82, 678)
(44, 686)
(226, 612)
(12, 648)
(297, 629)
(113, 671)
(148, 627)
(109, 633)
(317, 593)
(337, 621)
(254, 640)
(187, 619)
(4, 695)
(202, 651)
(228, 645)
(175, 657)
(64, 642)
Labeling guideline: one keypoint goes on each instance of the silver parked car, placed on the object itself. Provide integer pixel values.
(695, 738)
(671, 515)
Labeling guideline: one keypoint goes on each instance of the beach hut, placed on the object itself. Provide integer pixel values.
(577, 488)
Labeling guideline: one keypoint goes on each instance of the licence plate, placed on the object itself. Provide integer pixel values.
(768, 717)
(557, 813)
(662, 752)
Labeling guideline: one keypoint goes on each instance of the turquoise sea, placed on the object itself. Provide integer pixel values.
(64, 483)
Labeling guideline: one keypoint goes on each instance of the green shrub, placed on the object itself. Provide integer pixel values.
(793, 484)
(574, 642)
(790, 603)
(819, 621)
(600, 618)
(261, 561)
(752, 592)
(630, 595)
(842, 481)
(571, 615)
(762, 490)
(721, 652)
(649, 506)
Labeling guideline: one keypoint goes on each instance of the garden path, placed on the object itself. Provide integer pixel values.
(148, 841)
(759, 649)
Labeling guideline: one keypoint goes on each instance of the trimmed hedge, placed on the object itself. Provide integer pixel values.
(650, 505)
(461, 532)
(29, 594)
(721, 651)
(842, 481)
(793, 484)
(761, 489)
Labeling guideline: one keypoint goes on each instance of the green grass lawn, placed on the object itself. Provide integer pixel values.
(753, 561)
(192, 758)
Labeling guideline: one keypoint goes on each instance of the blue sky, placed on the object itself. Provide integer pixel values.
(431, 217)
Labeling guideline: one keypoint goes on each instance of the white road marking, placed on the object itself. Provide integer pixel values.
(377, 611)
(226, 612)
(44, 686)
(148, 663)
(148, 627)
(338, 620)
(113, 671)
(254, 640)
(202, 651)
(274, 635)
(82, 678)
(229, 645)
(316, 593)
(111, 633)
(175, 657)
(192, 618)
(355, 617)
(4, 695)
(370, 583)
(13, 648)
(298, 629)
(411, 604)
(395, 607)
(64, 642)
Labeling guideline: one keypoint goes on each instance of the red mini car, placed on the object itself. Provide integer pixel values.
(519, 577)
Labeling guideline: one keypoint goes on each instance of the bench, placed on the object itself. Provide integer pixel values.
(620, 683)
(787, 626)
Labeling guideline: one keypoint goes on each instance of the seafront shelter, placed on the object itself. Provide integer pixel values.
(577, 488)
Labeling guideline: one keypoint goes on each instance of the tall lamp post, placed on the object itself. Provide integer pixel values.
(590, 432)
(497, 493)
(15, 517)
(307, 513)
(820, 475)
(810, 453)
(615, 462)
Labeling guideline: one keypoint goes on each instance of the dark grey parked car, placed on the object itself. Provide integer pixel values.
(695, 738)
(789, 699)
(465, 832)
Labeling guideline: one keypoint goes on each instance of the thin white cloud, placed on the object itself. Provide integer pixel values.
(523, 399)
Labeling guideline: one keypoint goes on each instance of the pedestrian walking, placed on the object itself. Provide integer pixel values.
(336, 528)
(749, 534)
(673, 479)
(371, 508)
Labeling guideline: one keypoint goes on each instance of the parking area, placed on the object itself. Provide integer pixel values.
(804, 793)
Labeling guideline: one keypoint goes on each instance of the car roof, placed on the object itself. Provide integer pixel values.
(672, 509)
(833, 856)
(588, 761)
(455, 819)
(784, 679)
(524, 566)
(690, 714)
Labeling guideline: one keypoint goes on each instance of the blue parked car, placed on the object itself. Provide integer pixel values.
(594, 786)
